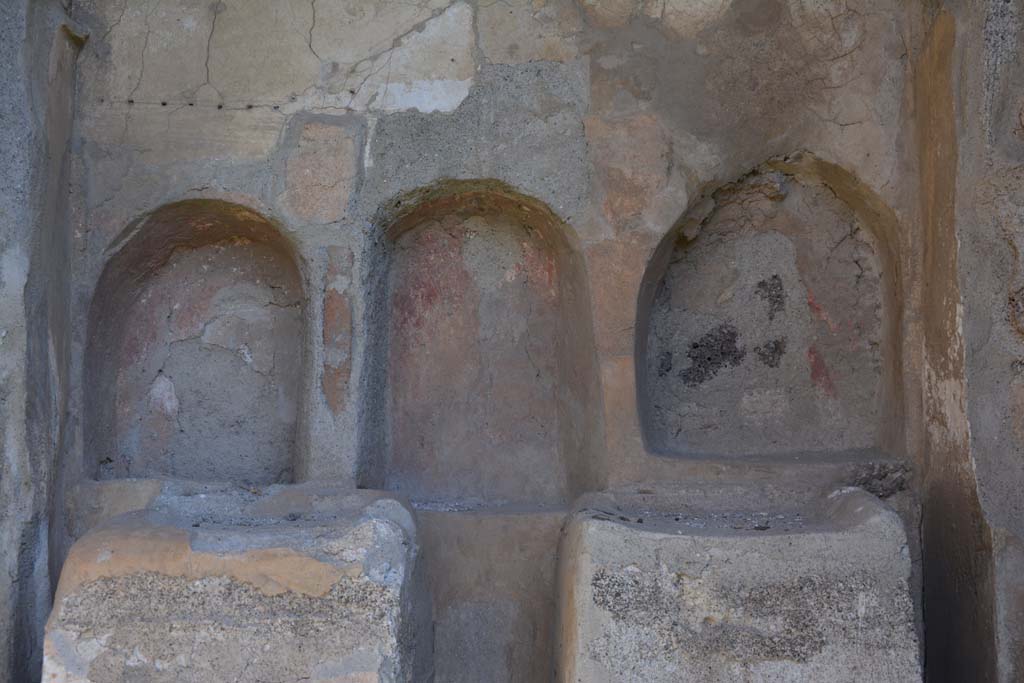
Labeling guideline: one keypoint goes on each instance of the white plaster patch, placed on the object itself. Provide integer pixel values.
(245, 353)
(430, 71)
(371, 127)
(425, 96)
(162, 396)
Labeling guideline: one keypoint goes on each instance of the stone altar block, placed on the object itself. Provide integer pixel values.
(207, 584)
(685, 593)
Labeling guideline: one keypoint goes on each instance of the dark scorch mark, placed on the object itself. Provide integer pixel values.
(715, 350)
(664, 363)
(772, 292)
(770, 353)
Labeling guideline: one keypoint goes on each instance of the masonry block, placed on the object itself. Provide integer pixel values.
(295, 584)
(677, 593)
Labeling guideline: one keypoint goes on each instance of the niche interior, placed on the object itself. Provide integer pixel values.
(195, 350)
(768, 323)
(489, 360)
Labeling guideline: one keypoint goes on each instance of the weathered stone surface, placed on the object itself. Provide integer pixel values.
(203, 351)
(779, 297)
(191, 80)
(337, 334)
(616, 270)
(159, 133)
(529, 30)
(687, 18)
(521, 124)
(628, 118)
(299, 583)
(369, 28)
(470, 296)
(611, 13)
(632, 158)
(621, 419)
(383, 56)
(430, 70)
(320, 172)
(93, 502)
(675, 592)
(494, 610)
(37, 74)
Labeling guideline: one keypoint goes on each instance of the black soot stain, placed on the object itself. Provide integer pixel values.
(715, 350)
(770, 353)
(664, 363)
(772, 292)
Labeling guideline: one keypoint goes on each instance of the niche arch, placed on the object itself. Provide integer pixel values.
(769, 321)
(194, 361)
(485, 389)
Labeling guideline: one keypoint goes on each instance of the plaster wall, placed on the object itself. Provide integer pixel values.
(369, 137)
(837, 145)
(766, 328)
(195, 350)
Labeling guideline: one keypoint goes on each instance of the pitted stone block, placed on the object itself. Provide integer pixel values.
(678, 593)
(298, 583)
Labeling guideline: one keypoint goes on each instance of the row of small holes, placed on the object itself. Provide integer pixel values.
(192, 104)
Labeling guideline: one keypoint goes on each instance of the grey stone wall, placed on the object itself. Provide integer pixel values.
(989, 210)
(37, 60)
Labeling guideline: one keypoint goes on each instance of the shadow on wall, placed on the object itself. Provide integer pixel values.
(195, 352)
(488, 370)
(769, 321)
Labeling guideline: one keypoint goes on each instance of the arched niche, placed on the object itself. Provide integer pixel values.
(485, 351)
(769, 321)
(195, 351)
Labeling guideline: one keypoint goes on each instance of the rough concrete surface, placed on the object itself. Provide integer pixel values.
(225, 585)
(798, 594)
(766, 327)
